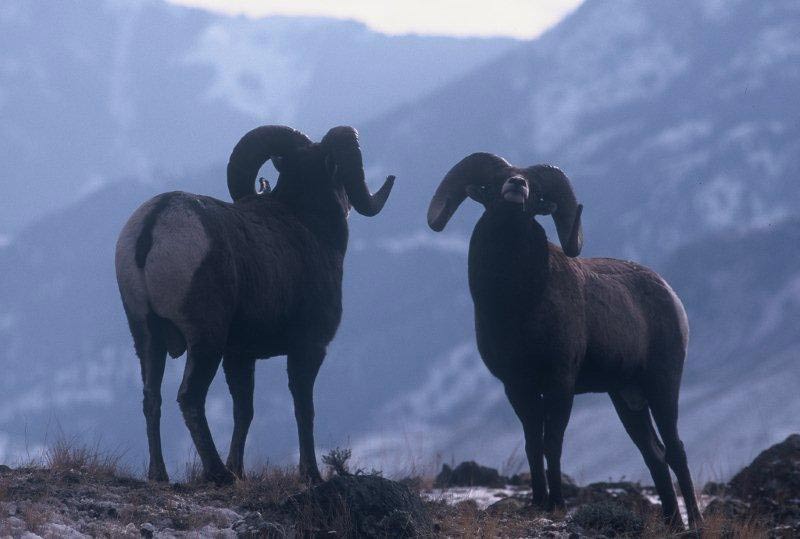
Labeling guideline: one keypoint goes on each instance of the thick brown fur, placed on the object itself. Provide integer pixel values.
(550, 326)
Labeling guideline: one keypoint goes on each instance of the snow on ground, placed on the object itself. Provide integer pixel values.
(482, 496)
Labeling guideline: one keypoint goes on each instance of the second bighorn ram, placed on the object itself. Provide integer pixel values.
(233, 283)
(550, 325)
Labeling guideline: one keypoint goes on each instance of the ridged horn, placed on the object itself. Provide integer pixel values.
(342, 143)
(254, 149)
(556, 187)
(473, 169)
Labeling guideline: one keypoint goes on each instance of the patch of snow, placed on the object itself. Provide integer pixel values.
(599, 82)
(254, 72)
(702, 502)
(421, 239)
(482, 496)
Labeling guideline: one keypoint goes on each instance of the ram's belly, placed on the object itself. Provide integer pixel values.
(616, 352)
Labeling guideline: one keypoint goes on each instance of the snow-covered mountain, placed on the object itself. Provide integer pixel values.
(677, 123)
(91, 90)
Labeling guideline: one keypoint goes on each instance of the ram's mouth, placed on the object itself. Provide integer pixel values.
(515, 193)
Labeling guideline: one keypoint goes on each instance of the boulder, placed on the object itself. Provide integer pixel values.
(774, 474)
(771, 483)
(469, 474)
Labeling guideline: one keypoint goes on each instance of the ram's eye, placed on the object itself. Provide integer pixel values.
(484, 188)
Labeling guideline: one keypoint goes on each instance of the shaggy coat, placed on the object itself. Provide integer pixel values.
(236, 282)
(550, 325)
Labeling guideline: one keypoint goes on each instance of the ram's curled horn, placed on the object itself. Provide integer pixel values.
(473, 169)
(254, 149)
(342, 142)
(556, 187)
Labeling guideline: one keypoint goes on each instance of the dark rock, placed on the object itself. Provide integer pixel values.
(771, 483)
(4, 468)
(147, 530)
(469, 474)
(774, 474)
(365, 505)
(715, 489)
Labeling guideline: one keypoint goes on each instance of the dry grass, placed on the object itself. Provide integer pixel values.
(34, 516)
(193, 471)
(68, 456)
(717, 526)
(334, 520)
(268, 485)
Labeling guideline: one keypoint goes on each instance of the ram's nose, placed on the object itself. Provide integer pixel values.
(518, 181)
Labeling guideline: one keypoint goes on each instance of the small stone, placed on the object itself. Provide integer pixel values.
(147, 530)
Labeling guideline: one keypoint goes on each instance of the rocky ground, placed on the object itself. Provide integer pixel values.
(78, 493)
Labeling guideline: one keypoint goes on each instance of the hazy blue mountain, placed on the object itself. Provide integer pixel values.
(94, 89)
(676, 122)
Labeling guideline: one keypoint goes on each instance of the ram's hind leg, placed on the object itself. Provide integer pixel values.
(664, 405)
(303, 365)
(639, 427)
(201, 366)
(528, 406)
(152, 351)
(240, 376)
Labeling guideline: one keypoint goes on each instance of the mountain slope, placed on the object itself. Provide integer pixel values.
(94, 89)
(671, 118)
(676, 128)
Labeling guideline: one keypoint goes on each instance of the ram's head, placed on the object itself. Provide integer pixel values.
(492, 181)
(335, 162)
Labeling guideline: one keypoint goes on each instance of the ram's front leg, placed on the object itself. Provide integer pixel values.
(557, 409)
(527, 404)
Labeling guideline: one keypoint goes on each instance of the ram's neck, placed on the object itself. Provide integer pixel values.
(323, 213)
(508, 262)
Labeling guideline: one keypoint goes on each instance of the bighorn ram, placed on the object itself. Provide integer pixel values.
(257, 278)
(550, 325)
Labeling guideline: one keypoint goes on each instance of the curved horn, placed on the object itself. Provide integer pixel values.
(254, 149)
(556, 187)
(452, 191)
(342, 142)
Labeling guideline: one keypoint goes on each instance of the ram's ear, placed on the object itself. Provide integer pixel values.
(478, 193)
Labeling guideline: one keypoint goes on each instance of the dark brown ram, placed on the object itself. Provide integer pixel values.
(550, 325)
(235, 282)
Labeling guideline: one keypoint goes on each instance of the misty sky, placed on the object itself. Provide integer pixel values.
(515, 18)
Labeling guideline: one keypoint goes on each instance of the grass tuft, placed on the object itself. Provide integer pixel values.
(68, 456)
